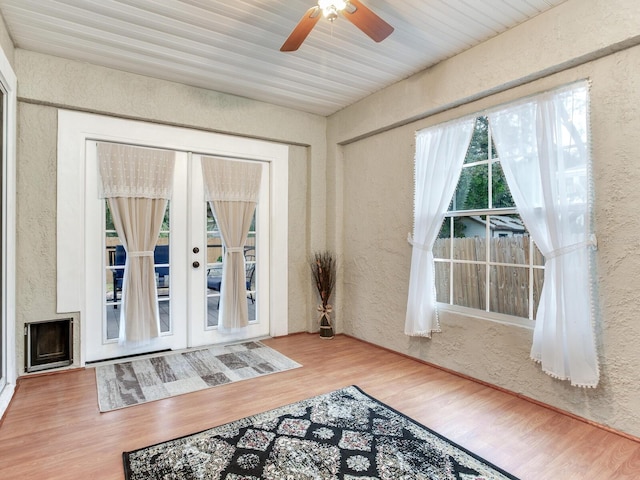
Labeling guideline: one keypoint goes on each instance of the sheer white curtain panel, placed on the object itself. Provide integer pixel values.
(232, 188)
(440, 152)
(544, 149)
(137, 183)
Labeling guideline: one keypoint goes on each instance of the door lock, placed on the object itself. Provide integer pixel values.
(196, 249)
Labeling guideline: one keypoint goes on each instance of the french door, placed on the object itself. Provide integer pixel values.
(188, 264)
(204, 264)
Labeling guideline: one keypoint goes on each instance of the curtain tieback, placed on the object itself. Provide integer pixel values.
(417, 245)
(592, 242)
(143, 253)
(235, 249)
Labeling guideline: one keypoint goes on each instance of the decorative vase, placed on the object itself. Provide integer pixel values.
(326, 329)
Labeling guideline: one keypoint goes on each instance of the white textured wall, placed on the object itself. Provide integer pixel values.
(46, 83)
(371, 150)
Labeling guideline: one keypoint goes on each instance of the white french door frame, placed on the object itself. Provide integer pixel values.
(76, 287)
(9, 373)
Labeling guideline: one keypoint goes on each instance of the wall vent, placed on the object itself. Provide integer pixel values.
(49, 344)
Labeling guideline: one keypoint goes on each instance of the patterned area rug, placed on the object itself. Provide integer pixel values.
(344, 434)
(147, 379)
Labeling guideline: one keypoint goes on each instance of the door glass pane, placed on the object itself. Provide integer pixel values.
(251, 266)
(214, 269)
(114, 261)
(163, 272)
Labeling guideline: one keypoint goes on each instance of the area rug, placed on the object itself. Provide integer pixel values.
(345, 434)
(146, 379)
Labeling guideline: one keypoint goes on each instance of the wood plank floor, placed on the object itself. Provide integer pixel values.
(53, 429)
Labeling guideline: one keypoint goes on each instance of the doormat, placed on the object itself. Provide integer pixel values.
(146, 379)
(345, 434)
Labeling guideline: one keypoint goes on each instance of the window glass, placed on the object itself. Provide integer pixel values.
(442, 274)
(500, 194)
(510, 294)
(508, 244)
(470, 244)
(469, 285)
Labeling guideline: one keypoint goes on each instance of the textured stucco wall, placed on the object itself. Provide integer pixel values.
(300, 285)
(36, 221)
(5, 42)
(371, 151)
(46, 83)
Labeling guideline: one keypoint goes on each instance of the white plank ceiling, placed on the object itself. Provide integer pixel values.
(232, 46)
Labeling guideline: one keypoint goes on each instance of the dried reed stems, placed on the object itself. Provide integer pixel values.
(323, 267)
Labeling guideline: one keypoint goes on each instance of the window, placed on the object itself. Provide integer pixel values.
(484, 256)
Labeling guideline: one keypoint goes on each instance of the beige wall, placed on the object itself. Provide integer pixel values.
(47, 83)
(371, 149)
(5, 41)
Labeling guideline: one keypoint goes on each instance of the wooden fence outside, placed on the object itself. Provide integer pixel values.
(509, 285)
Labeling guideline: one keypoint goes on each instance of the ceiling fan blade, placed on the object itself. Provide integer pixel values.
(367, 21)
(305, 25)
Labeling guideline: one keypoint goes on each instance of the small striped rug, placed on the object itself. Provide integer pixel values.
(144, 380)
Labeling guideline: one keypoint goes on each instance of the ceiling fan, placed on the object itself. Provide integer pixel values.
(352, 10)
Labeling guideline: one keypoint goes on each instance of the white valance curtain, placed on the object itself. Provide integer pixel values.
(137, 183)
(544, 149)
(440, 152)
(232, 189)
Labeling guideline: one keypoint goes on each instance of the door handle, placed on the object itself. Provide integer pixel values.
(196, 264)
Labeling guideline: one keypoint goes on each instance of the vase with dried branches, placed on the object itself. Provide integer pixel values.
(323, 267)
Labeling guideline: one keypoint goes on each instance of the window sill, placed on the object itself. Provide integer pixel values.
(490, 316)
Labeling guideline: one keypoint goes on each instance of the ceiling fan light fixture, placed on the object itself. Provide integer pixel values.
(330, 8)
